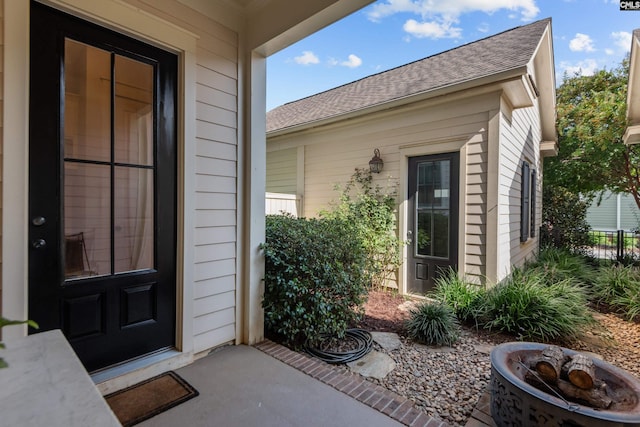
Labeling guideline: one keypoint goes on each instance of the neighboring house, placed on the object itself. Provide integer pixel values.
(614, 212)
(133, 170)
(632, 135)
(462, 135)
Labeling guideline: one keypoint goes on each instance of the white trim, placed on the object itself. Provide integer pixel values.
(548, 148)
(129, 20)
(300, 178)
(632, 135)
(15, 171)
(426, 149)
(492, 256)
(142, 26)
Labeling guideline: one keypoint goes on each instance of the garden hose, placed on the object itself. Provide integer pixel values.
(362, 337)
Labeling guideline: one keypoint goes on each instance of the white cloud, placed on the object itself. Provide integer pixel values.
(622, 40)
(581, 43)
(352, 62)
(438, 17)
(432, 30)
(586, 67)
(484, 27)
(307, 58)
(453, 9)
(610, 51)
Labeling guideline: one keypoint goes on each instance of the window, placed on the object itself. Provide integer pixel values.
(528, 202)
(532, 219)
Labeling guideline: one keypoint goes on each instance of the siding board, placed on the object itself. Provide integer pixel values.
(216, 150)
(215, 217)
(218, 285)
(213, 303)
(211, 96)
(215, 252)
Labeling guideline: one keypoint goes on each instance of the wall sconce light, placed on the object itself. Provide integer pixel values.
(376, 163)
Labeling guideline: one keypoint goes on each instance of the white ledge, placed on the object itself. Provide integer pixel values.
(46, 385)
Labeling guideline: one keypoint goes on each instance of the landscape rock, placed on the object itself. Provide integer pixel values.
(387, 340)
(374, 365)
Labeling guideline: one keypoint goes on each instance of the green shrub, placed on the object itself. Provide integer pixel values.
(372, 211)
(433, 323)
(557, 264)
(465, 299)
(564, 223)
(315, 279)
(528, 307)
(619, 286)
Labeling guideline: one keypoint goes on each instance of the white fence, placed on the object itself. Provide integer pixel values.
(279, 203)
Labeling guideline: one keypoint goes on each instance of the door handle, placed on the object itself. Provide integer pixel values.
(39, 243)
(38, 221)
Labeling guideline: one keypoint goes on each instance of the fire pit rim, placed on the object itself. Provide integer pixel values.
(499, 363)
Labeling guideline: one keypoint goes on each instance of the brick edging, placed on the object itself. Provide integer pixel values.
(379, 398)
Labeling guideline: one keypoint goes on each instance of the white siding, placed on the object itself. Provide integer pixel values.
(279, 203)
(519, 141)
(475, 240)
(215, 265)
(282, 171)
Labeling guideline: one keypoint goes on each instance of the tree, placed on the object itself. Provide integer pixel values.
(591, 122)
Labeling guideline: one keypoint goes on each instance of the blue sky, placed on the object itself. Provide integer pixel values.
(587, 35)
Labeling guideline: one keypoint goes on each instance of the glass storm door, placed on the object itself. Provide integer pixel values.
(102, 189)
(432, 219)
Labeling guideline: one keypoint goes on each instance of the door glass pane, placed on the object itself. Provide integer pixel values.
(87, 102)
(133, 219)
(133, 111)
(87, 220)
(433, 208)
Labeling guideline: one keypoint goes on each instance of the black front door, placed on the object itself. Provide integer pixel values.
(432, 219)
(102, 189)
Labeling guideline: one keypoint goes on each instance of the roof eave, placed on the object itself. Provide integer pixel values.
(633, 93)
(546, 83)
(514, 82)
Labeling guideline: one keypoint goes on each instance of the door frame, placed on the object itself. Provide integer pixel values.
(439, 146)
(146, 28)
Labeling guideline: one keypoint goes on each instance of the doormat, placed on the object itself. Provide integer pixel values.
(144, 400)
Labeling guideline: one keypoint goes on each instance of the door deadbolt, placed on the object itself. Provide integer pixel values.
(39, 243)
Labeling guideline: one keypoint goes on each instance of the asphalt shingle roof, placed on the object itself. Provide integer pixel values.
(504, 51)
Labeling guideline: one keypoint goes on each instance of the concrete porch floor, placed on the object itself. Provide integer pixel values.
(270, 385)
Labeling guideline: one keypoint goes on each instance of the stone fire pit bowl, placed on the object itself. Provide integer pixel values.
(515, 402)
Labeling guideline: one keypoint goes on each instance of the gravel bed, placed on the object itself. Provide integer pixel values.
(446, 382)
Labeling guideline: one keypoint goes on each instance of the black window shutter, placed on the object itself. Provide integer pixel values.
(525, 208)
(534, 188)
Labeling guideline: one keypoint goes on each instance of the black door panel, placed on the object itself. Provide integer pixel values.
(102, 189)
(432, 219)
